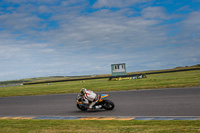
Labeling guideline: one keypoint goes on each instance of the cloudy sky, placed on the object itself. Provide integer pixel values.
(82, 37)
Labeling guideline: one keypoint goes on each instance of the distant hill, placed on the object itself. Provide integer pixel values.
(21, 81)
(60, 78)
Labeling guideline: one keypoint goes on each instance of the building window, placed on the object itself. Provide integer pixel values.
(116, 67)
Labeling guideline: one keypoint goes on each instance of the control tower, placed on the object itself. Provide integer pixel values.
(118, 69)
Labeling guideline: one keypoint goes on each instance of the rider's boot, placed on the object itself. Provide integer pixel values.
(98, 106)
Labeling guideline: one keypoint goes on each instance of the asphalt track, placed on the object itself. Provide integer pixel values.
(172, 102)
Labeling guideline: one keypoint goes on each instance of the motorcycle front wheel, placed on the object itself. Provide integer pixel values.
(81, 107)
(108, 105)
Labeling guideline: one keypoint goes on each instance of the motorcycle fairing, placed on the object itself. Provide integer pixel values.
(102, 97)
(82, 104)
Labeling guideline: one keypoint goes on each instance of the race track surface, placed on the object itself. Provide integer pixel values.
(161, 102)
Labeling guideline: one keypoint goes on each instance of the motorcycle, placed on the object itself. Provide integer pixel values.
(105, 103)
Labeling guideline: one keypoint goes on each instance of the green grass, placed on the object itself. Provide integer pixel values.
(116, 126)
(153, 81)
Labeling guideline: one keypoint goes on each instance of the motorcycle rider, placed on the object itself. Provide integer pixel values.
(89, 96)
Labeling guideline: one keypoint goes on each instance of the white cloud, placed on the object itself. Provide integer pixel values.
(155, 13)
(192, 22)
(44, 9)
(31, 1)
(72, 2)
(118, 3)
(106, 31)
(19, 21)
(103, 32)
(87, 43)
(47, 50)
(6, 53)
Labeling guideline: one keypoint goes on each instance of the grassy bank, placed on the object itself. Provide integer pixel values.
(153, 81)
(55, 126)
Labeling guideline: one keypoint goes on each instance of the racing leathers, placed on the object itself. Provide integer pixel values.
(90, 97)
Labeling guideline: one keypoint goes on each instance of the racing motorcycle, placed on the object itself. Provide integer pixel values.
(105, 103)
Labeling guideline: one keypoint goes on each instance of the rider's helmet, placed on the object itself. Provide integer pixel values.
(83, 90)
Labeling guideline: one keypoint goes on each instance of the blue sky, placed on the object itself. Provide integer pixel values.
(41, 38)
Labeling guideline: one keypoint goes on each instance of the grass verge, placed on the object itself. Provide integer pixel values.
(153, 81)
(57, 126)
